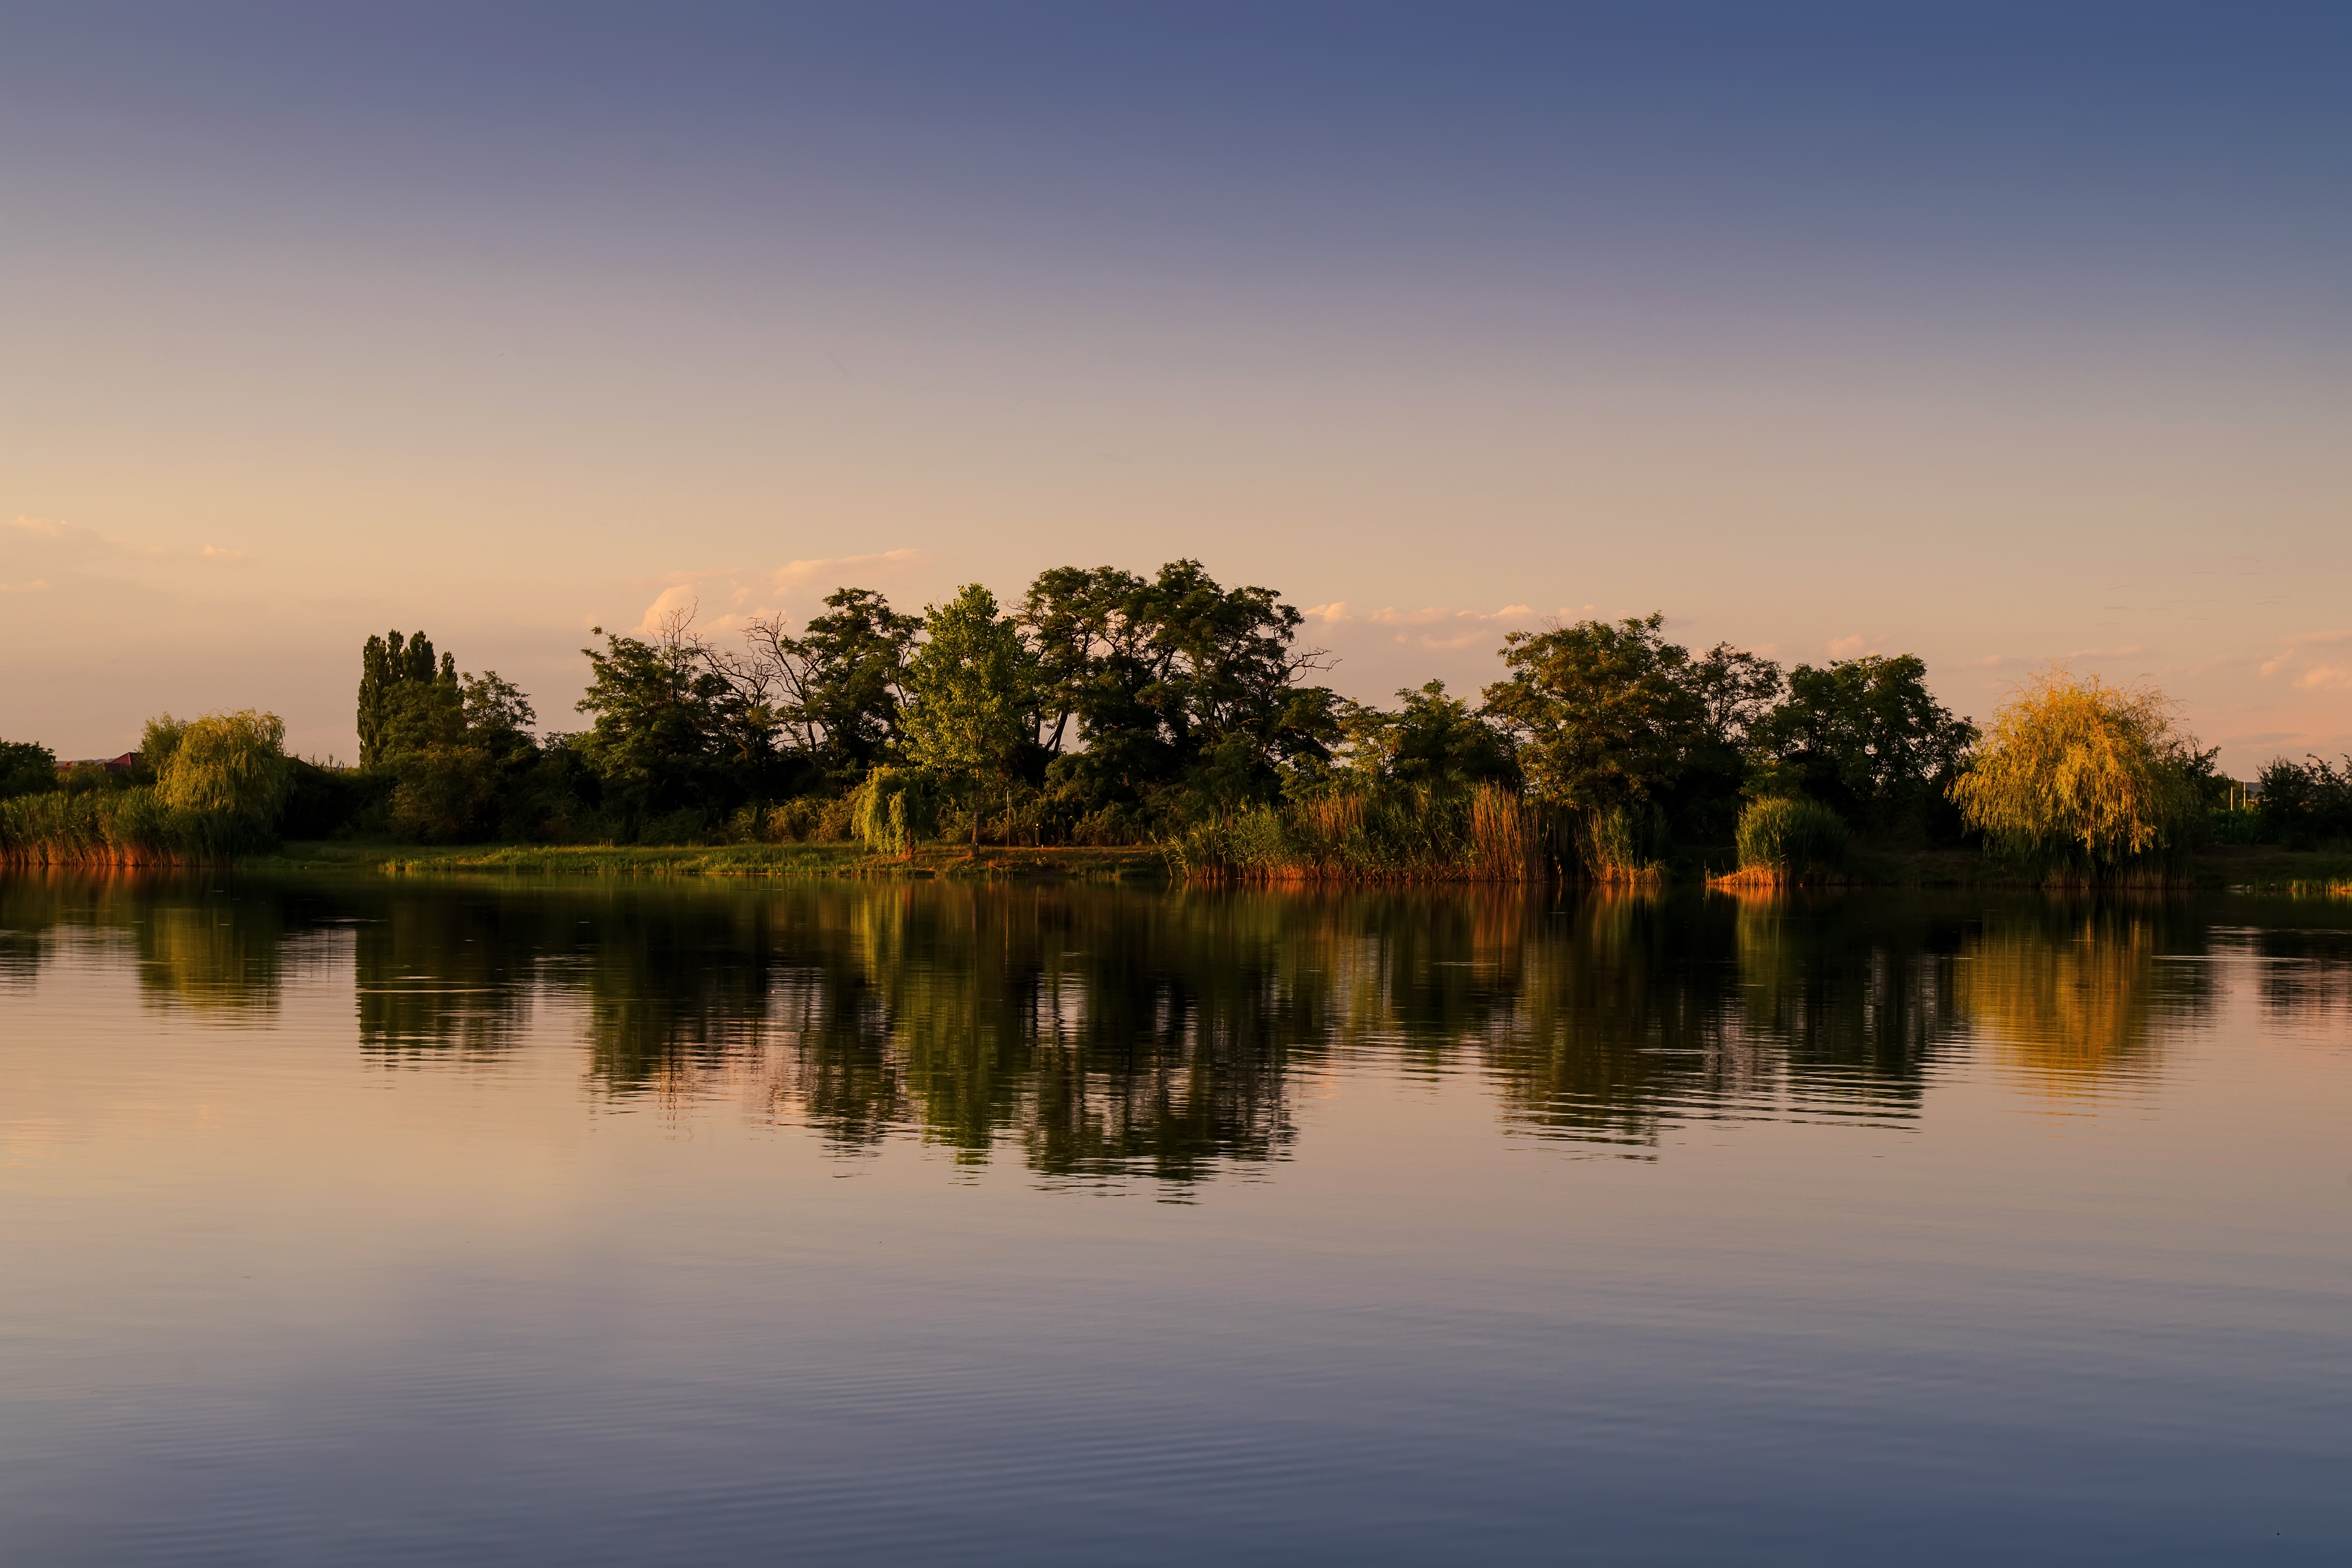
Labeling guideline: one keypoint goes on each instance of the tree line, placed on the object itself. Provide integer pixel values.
(1111, 707)
(1108, 706)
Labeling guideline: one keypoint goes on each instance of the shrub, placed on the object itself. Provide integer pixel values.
(2237, 825)
(2083, 782)
(323, 801)
(446, 794)
(894, 810)
(1786, 838)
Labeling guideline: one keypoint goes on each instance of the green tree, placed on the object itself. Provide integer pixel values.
(1607, 716)
(1430, 741)
(1866, 737)
(389, 666)
(1737, 690)
(157, 741)
(662, 717)
(457, 776)
(2303, 803)
(844, 680)
(27, 769)
(1171, 694)
(974, 686)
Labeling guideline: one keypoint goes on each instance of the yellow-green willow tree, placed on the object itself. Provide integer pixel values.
(2084, 782)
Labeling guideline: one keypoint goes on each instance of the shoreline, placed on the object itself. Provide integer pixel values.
(2217, 868)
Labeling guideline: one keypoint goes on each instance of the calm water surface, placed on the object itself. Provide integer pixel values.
(370, 1221)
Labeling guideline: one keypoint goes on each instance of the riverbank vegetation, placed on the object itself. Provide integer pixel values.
(201, 791)
(1169, 715)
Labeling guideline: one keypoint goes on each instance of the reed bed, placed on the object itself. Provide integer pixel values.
(1784, 841)
(1486, 835)
(1621, 843)
(130, 828)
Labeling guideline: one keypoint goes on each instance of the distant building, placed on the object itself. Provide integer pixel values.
(121, 764)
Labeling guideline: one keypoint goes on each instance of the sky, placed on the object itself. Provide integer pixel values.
(1999, 335)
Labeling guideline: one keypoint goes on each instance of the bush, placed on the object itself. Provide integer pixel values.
(2240, 825)
(1787, 838)
(324, 801)
(446, 794)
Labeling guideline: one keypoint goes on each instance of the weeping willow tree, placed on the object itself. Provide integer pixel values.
(2082, 782)
(230, 765)
(894, 810)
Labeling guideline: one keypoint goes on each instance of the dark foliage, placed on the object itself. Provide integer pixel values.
(2306, 801)
(1168, 699)
(1866, 738)
(27, 769)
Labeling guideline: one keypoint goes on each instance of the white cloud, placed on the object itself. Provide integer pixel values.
(667, 602)
(2296, 647)
(738, 595)
(1434, 627)
(38, 585)
(86, 543)
(837, 570)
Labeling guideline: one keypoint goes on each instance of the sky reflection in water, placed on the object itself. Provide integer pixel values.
(534, 1222)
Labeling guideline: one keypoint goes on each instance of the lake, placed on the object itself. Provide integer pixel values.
(377, 1220)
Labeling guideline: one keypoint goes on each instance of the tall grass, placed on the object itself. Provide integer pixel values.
(1394, 835)
(2082, 783)
(1783, 839)
(126, 827)
(1621, 844)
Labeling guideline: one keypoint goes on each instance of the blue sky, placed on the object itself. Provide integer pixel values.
(1995, 334)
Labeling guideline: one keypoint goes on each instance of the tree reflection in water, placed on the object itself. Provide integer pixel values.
(2074, 990)
(1105, 1034)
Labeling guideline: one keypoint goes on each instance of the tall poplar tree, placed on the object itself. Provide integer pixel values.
(387, 664)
